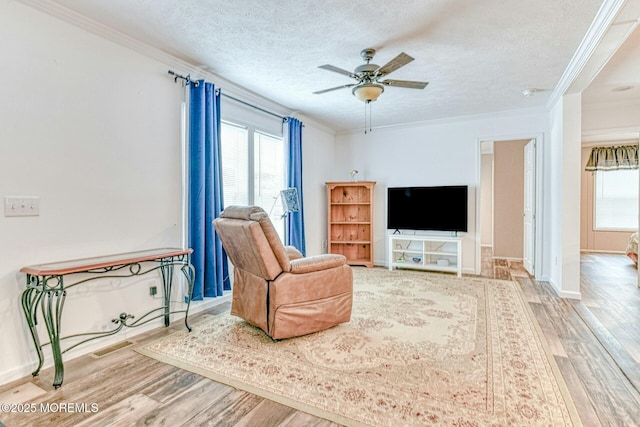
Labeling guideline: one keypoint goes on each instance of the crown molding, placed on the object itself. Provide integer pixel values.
(456, 119)
(314, 123)
(607, 13)
(630, 102)
(176, 64)
(101, 30)
(613, 135)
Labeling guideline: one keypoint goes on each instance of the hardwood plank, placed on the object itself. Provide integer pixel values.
(21, 393)
(611, 394)
(618, 352)
(303, 419)
(125, 412)
(624, 343)
(180, 403)
(579, 395)
(546, 325)
(104, 388)
(530, 293)
(174, 386)
(229, 410)
(266, 413)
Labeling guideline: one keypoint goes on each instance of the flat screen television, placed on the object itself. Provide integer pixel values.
(441, 208)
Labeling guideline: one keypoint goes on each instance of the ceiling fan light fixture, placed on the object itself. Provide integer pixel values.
(367, 92)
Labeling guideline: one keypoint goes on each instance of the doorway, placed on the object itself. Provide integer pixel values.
(507, 206)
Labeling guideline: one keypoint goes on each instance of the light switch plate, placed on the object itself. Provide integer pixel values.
(21, 206)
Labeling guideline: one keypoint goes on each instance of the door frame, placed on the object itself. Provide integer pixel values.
(538, 270)
(531, 240)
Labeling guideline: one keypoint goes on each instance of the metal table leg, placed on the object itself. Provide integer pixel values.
(30, 299)
(190, 273)
(52, 306)
(166, 269)
(50, 297)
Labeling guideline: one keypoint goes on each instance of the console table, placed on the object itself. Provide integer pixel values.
(47, 286)
(426, 252)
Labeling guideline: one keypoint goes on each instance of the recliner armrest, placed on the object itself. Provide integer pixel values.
(317, 262)
(293, 253)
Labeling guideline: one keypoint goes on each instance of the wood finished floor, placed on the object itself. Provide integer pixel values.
(595, 342)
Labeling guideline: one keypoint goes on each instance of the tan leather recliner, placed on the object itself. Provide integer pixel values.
(275, 288)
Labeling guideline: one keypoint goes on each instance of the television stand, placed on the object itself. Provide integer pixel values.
(425, 252)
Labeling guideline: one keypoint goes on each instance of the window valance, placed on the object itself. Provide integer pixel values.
(613, 158)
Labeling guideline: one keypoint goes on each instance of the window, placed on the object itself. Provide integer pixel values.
(235, 164)
(616, 199)
(253, 170)
(268, 175)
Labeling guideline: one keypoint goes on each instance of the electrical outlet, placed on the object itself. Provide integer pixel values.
(21, 206)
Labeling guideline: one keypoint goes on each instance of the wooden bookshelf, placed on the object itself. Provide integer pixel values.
(350, 216)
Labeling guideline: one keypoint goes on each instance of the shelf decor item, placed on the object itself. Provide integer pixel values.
(353, 173)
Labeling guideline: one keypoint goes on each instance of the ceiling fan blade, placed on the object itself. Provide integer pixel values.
(337, 70)
(397, 62)
(333, 88)
(405, 83)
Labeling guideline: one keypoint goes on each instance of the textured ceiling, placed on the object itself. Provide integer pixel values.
(477, 56)
(619, 81)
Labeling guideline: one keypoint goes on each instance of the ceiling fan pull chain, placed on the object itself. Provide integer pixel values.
(367, 103)
(365, 118)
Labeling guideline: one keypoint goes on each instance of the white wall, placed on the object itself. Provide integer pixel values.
(608, 118)
(93, 129)
(432, 153)
(486, 199)
(318, 147)
(564, 248)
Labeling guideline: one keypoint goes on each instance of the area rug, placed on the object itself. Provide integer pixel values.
(421, 349)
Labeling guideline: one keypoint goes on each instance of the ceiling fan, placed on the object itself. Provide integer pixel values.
(369, 86)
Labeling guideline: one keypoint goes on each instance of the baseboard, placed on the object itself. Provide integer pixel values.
(27, 368)
(507, 258)
(565, 294)
(598, 251)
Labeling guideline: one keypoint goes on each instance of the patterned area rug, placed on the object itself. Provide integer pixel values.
(421, 349)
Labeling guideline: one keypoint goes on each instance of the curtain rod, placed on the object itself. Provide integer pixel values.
(187, 80)
(253, 106)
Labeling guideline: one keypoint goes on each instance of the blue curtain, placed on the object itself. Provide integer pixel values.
(294, 233)
(205, 192)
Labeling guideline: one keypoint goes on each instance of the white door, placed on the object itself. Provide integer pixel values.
(529, 205)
